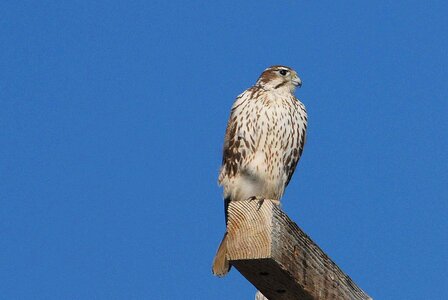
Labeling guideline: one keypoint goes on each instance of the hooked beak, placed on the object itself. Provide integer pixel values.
(296, 80)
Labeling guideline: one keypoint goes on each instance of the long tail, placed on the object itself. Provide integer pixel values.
(221, 265)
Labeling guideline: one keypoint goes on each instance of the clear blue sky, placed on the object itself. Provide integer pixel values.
(112, 119)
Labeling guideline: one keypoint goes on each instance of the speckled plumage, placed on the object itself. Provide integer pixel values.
(264, 140)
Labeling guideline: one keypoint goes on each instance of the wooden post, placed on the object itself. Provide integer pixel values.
(279, 259)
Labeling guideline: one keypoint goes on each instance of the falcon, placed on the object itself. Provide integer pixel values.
(263, 143)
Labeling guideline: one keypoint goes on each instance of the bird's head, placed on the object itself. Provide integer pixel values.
(279, 78)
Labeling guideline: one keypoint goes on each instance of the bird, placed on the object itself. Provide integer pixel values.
(263, 143)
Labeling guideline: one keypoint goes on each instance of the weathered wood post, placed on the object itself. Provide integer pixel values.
(279, 259)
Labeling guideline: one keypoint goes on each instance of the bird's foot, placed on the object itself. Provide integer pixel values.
(275, 202)
(261, 201)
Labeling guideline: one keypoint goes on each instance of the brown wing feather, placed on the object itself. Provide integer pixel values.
(239, 142)
(291, 165)
(294, 156)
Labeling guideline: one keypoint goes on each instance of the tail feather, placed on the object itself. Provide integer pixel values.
(221, 265)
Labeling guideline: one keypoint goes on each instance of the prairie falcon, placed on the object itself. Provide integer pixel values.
(264, 140)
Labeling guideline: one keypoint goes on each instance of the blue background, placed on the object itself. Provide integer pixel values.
(112, 117)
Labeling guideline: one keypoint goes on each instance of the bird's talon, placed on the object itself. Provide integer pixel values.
(260, 203)
(252, 198)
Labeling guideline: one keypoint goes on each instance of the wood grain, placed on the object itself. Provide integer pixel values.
(279, 259)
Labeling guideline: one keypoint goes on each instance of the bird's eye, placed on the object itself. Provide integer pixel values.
(283, 72)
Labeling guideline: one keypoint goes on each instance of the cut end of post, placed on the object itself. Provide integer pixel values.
(279, 259)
